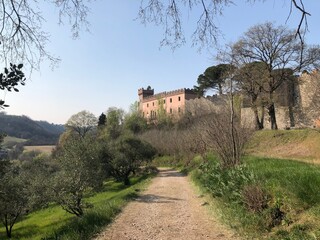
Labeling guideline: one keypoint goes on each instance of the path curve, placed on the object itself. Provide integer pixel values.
(168, 209)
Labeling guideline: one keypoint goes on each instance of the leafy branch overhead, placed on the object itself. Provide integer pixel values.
(10, 79)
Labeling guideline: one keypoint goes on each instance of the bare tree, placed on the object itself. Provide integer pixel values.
(170, 15)
(82, 123)
(279, 50)
(24, 39)
(22, 36)
(250, 79)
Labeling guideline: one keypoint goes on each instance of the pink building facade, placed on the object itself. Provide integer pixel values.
(171, 103)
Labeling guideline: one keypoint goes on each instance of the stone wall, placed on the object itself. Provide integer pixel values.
(308, 107)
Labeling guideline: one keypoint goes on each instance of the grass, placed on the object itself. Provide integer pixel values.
(293, 186)
(8, 139)
(300, 144)
(54, 223)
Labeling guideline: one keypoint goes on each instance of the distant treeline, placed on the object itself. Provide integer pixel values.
(35, 132)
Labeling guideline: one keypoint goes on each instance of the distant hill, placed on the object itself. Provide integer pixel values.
(35, 132)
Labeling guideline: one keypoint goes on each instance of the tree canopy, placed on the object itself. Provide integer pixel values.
(82, 122)
(214, 78)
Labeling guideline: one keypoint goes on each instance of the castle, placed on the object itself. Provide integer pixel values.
(297, 103)
(173, 103)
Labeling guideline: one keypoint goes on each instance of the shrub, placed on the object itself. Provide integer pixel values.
(254, 198)
(226, 183)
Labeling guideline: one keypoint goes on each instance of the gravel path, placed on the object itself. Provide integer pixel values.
(169, 209)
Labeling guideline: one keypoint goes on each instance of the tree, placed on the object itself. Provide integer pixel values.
(82, 123)
(114, 122)
(213, 78)
(250, 79)
(13, 199)
(80, 173)
(10, 79)
(279, 50)
(125, 155)
(102, 120)
(134, 121)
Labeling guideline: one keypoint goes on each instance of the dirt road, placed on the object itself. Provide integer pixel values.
(168, 210)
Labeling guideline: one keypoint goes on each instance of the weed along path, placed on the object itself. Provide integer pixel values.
(169, 209)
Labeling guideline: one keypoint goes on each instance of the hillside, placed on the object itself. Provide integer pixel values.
(302, 145)
(35, 132)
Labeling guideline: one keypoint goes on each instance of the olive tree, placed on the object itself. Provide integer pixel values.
(79, 174)
(13, 200)
(125, 156)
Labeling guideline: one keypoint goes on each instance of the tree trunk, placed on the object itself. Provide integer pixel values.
(258, 122)
(126, 181)
(8, 229)
(220, 88)
(272, 115)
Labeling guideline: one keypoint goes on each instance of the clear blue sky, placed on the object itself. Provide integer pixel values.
(105, 67)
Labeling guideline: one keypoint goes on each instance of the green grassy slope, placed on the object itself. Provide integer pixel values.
(55, 223)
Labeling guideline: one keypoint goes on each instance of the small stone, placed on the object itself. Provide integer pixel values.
(204, 203)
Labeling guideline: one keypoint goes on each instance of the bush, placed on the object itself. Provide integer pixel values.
(227, 183)
(254, 198)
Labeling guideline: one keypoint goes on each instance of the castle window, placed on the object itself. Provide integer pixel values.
(179, 98)
(170, 110)
(164, 101)
(147, 104)
(179, 109)
(152, 103)
(171, 100)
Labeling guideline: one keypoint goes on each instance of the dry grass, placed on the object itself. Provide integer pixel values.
(44, 149)
(302, 145)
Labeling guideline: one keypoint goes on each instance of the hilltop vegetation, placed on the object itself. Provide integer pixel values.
(35, 132)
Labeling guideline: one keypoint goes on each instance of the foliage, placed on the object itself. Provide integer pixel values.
(282, 202)
(54, 223)
(226, 183)
(80, 173)
(135, 123)
(114, 123)
(124, 156)
(102, 120)
(10, 79)
(37, 173)
(13, 199)
(214, 77)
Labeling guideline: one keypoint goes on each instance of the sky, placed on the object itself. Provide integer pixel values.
(106, 66)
